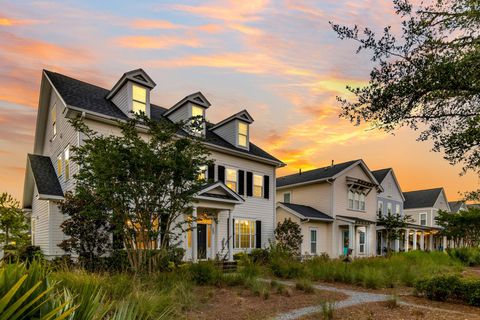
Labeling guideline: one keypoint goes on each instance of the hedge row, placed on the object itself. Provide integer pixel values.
(450, 287)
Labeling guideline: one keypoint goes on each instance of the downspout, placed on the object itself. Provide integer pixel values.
(333, 214)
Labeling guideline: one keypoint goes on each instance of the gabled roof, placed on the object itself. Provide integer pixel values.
(138, 75)
(421, 198)
(92, 99)
(218, 191)
(242, 115)
(40, 172)
(321, 174)
(304, 212)
(381, 174)
(455, 206)
(197, 98)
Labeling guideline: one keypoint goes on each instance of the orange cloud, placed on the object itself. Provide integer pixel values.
(157, 42)
(10, 22)
(154, 24)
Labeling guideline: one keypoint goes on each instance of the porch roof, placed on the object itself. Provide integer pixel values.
(356, 220)
(305, 212)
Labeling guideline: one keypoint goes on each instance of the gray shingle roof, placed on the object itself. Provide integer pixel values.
(455, 205)
(312, 175)
(421, 198)
(381, 174)
(45, 176)
(307, 212)
(92, 98)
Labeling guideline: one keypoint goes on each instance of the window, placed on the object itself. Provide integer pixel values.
(389, 208)
(397, 209)
(231, 179)
(66, 156)
(380, 208)
(202, 175)
(242, 134)
(313, 241)
(197, 111)
(423, 219)
(287, 197)
(139, 95)
(361, 242)
(59, 165)
(54, 121)
(356, 200)
(257, 186)
(244, 234)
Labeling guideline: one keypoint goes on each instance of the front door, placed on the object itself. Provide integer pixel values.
(346, 241)
(202, 241)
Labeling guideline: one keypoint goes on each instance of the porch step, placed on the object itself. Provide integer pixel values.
(227, 266)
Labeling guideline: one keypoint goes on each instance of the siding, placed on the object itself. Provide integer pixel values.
(180, 114)
(121, 99)
(228, 132)
(40, 214)
(391, 190)
(316, 195)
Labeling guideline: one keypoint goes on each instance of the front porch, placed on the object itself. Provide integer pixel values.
(357, 236)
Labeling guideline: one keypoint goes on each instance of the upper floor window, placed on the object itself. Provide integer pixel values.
(287, 197)
(257, 186)
(423, 219)
(389, 208)
(66, 156)
(202, 175)
(242, 134)
(59, 165)
(139, 97)
(197, 111)
(244, 234)
(54, 120)
(397, 209)
(356, 200)
(380, 208)
(231, 179)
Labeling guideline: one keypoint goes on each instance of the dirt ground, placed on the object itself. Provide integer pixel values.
(239, 304)
(473, 272)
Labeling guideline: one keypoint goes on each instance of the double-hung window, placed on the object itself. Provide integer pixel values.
(361, 242)
(242, 134)
(287, 197)
(423, 219)
(389, 208)
(139, 97)
(356, 200)
(313, 241)
(350, 199)
(202, 175)
(54, 120)
(244, 234)
(397, 209)
(66, 156)
(380, 208)
(257, 186)
(59, 165)
(231, 179)
(196, 113)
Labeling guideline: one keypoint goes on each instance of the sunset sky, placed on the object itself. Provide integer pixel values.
(280, 60)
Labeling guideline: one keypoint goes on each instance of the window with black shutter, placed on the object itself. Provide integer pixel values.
(211, 172)
(266, 187)
(241, 182)
(258, 233)
(221, 173)
(249, 184)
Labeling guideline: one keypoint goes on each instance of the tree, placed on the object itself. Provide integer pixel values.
(87, 226)
(288, 236)
(146, 177)
(13, 222)
(393, 225)
(427, 78)
(463, 225)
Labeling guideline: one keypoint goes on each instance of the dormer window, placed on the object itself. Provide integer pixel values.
(197, 111)
(139, 97)
(242, 134)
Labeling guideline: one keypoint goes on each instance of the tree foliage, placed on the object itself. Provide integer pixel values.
(288, 236)
(461, 225)
(427, 78)
(13, 222)
(393, 225)
(146, 178)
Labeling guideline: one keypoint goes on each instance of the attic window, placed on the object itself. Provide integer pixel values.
(139, 103)
(242, 134)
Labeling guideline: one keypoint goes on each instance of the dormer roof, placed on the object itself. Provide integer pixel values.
(422, 198)
(138, 76)
(196, 98)
(242, 115)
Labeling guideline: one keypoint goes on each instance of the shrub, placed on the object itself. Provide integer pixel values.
(468, 256)
(204, 273)
(288, 235)
(30, 253)
(328, 310)
(304, 285)
(284, 265)
(260, 256)
(258, 288)
(450, 287)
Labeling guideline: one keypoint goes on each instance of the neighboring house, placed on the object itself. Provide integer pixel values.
(457, 206)
(423, 207)
(238, 204)
(389, 201)
(336, 207)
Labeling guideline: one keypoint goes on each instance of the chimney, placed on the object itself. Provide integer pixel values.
(332, 163)
(300, 171)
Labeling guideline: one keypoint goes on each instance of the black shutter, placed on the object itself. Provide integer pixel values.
(258, 233)
(211, 172)
(249, 184)
(266, 187)
(221, 173)
(241, 182)
(233, 233)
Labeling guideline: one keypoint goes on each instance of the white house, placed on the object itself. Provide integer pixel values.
(235, 212)
(336, 207)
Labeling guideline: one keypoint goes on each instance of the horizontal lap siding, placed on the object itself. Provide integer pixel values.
(121, 99)
(41, 216)
(228, 132)
(253, 208)
(317, 196)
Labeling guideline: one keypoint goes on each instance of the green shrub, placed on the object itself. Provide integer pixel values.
(204, 272)
(468, 256)
(328, 310)
(304, 285)
(284, 265)
(30, 253)
(450, 287)
(260, 256)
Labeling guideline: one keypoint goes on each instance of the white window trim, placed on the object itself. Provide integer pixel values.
(356, 194)
(380, 206)
(389, 208)
(237, 137)
(60, 164)
(420, 218)
(236, 177)
(67, 162)
(263, 187)
(316, 241)
(138, 101)
(252, 234)
(290, 196)
(364, 242)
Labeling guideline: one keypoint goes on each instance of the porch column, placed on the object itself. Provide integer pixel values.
(407, 239)
(194, 235)
(444, 243)
(396, 245)
(414, 245)
(351, 238)
(230, 233)
(422, 241)
(430, 243)
(213, 231)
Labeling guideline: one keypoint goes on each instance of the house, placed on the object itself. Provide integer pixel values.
(336, 207)
(389, 201)
(423, 207)
(235, 211)
(457, 206)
